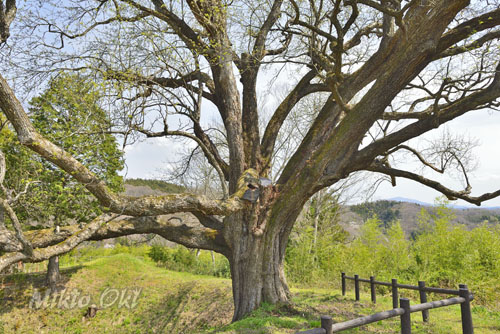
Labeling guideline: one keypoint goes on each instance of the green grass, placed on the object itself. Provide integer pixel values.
(175, 302)
(156, 185)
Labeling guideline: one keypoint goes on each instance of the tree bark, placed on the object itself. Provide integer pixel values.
(257, 270)
(2, 219)
(53, 275)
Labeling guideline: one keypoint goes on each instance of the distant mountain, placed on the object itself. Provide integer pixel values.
(409, 200)
(408, 211)
(451, 205)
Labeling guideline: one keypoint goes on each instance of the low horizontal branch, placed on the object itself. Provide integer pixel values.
(183, 229)
(42, 254)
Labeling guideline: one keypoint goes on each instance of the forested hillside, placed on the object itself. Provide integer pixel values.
(352, 217)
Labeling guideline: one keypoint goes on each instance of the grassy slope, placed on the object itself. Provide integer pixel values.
(173, 302)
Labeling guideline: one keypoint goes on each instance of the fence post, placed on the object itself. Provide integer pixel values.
(372, 289)
(343, 284)
(394, 293)
(356, 287)
(423, 299)
(405, 317)
(467, 327)
(326, 324)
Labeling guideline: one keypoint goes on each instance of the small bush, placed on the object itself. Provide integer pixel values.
(158, 254)
(182, 259)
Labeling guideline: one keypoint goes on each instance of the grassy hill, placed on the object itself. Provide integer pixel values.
(143, 187)
(173, 302)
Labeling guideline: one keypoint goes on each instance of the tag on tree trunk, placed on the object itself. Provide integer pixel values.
(251, 195)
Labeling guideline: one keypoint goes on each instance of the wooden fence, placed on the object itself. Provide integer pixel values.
(404, 310)
(40, 268)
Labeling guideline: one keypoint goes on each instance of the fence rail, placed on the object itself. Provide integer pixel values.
(403, 309)
(40, 268)
(394, 283)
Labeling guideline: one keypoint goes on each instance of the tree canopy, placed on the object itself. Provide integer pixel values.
(364, 78)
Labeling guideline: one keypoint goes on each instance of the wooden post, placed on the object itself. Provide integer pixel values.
(372, 289)
(356, 287)
(326, 324)
(467, 327)
(343, 284)
(405, 317)
(394, 293)
(423, 299)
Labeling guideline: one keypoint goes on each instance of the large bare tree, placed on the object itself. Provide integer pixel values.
(384, 72)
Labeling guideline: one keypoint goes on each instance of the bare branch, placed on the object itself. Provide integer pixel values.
(453, 51)
(398, 116)
(4, 203)
(442, 114)
(117, 18)
(465, 29)
(27, 247)
(418, 155)
(211, 158)
(183, 81)
(297, 21)
(300, 90)
(449, 193)
(391, 11)
(260, 40)
(23, 192)
(181, 28)
(209, 221)
(365, 31)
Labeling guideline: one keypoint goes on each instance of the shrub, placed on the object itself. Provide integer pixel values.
(182, 259)
(441, 254)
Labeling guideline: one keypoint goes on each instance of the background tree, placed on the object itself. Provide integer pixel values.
(386, 72)
(67, 113)
(314, 238)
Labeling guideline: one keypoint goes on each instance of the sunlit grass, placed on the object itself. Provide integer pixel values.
(177, 302)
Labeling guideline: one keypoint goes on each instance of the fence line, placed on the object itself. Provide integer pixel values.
(394, 290)
(404, 310)
(34, 267)
(372, 281)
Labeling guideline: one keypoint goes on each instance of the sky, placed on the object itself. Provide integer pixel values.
(480, 125)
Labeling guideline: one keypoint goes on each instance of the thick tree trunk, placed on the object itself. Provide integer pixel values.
(53, 275)
(257, 269)
(257, 262)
